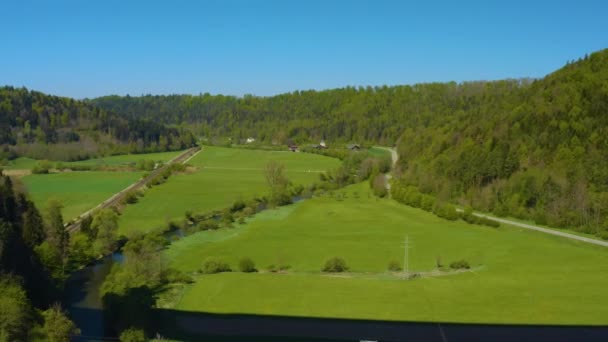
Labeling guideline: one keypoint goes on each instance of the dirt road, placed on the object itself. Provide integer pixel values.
(543, 230)
(394, 158)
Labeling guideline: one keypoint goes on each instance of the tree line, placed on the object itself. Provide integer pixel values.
(34, 249)
(41, 126)
(532, 149)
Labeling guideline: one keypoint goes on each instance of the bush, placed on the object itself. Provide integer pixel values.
(446, 211)
(130, 197)
(394, 266)
(460, 264)
(213, 265)
(247, 265)
(238, 205)
(487, 222)
(208, 225)
(171, 275)
(133, 335)
(335, 264)
(467, 215)
(379, 185)
(42, 167)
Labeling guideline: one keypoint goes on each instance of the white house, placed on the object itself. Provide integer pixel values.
(250, 140)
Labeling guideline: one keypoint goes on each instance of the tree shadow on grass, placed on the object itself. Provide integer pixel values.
(192, 326)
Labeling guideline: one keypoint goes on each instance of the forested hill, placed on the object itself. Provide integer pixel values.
(534, 149)
(42, 126)
(371, 114)
(540, 154)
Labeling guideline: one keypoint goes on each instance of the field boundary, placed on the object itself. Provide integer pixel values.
(255, 169)
(117, 197)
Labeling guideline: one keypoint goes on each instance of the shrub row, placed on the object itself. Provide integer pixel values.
(410, 195)
(165, 174)
(215, 265)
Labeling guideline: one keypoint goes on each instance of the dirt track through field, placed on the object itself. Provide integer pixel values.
(116, 198)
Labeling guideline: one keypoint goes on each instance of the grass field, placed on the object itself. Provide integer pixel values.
(379, 152)
(23, 163)
(222, 176)
(78, 191)
(519, 276)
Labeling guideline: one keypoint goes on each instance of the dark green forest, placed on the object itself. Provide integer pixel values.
(35, 259)
(41, 126)
(532, 149)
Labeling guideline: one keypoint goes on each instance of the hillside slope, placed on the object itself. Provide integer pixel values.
(543, 159)
(534, 149)
(42, 126)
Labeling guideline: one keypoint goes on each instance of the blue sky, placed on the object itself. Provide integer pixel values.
(91, 48)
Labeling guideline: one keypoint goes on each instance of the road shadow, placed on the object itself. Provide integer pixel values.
(194, 326)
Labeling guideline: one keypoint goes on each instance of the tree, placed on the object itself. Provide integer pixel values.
(394, 266)
(105, 223)
(80, 249)
(57, 326)
(378, 183)
(214, 265)
(58, 237)
(247, 265)
(274, 172)
(33, 227)
(133, 335)
(15, 310)
(335, 264)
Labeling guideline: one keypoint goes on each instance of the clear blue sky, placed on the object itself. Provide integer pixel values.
(89, 48)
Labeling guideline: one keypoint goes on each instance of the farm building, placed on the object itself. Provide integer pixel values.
(353, 147)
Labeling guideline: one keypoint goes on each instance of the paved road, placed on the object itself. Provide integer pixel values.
(544, 230)
(116, 198)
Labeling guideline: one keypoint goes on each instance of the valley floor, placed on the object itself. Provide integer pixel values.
(519, 276)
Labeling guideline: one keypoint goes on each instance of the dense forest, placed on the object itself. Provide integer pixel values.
(34, 260)
(537, 153)
(533, 149)
(41, 126)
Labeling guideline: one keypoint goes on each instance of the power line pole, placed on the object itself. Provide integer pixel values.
(406, 247)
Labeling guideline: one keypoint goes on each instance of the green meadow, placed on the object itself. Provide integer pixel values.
(21, 163)
(126, 159)
(221, 176)
(517, 275)
(24, 163)
(78, 191)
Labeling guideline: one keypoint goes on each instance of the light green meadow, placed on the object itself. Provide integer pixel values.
(78, 191)
(221, 176)
(517, 276)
